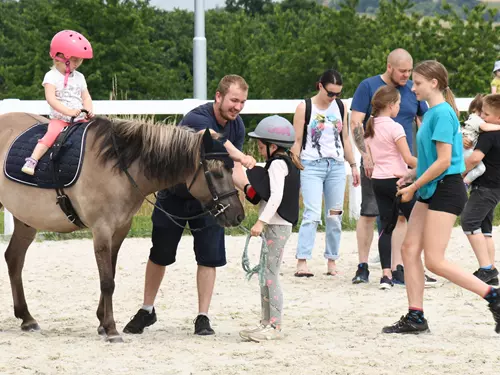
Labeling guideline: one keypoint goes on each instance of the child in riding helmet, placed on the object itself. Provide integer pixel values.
(277, 188)
(65, 90)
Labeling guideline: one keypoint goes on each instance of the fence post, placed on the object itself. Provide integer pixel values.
(6, 106)
(8, 223)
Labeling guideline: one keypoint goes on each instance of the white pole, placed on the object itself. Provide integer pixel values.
(8, 105)
(199, 52)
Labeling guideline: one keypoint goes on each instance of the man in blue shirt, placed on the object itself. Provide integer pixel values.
(222, 117)
(399, 68)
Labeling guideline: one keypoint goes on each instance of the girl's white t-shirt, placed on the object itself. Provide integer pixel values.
(70, 96)
(323, 134)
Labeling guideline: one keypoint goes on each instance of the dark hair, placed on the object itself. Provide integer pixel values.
(476, 105)
(329, 76)
(383, 97)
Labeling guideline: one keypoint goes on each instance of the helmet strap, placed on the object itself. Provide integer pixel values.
(66, 62)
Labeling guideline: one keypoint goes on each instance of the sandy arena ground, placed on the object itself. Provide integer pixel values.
(332, 326)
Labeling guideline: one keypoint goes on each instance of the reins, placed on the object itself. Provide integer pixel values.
(245, 261)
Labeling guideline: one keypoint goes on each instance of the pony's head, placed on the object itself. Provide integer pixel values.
(212, 183)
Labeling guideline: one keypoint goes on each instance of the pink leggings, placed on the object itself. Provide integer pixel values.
(55, 127)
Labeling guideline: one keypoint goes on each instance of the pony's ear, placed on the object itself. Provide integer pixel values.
(207, 141)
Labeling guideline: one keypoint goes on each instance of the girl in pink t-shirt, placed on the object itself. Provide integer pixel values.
(386, 141)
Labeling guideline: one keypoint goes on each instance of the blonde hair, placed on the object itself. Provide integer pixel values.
(493, 103)
(231, 79)
(383, 97)
(432, 69)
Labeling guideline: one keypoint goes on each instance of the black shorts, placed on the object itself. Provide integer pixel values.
(209, 246)
(450, 195)
(479, 210)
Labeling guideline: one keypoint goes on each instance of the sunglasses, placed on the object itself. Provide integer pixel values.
(332, 94)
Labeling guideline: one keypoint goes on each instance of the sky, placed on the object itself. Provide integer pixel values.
(185, 4)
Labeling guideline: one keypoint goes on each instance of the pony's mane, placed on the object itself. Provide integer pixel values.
(164, 152)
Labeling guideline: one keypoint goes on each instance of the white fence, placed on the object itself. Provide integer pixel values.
(181, 107)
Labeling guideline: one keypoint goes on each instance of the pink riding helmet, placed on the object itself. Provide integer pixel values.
(71, 44)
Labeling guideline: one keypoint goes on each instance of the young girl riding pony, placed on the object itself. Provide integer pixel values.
(65, 90)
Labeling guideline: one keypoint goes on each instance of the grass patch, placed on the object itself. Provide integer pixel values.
(142, 226)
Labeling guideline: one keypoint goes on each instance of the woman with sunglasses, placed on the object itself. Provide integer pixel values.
(322, 140)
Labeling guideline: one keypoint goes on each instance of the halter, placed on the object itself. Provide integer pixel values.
(216, 198)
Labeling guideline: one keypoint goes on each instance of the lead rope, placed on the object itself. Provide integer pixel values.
(245, 261)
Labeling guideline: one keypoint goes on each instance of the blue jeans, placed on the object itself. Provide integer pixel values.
(321, 177)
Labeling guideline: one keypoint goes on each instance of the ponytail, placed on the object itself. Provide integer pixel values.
(370, 127)
(450, 99)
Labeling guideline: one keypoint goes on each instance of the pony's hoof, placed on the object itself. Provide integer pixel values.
(114, 339)
(101, 331)
(30, 327)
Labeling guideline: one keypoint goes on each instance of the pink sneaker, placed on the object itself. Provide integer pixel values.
(29, 166)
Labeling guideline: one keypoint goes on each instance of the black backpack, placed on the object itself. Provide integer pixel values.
(308, 118)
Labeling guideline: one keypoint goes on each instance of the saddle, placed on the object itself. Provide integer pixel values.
(59, 168)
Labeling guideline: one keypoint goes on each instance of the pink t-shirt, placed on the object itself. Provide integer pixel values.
(386, 157)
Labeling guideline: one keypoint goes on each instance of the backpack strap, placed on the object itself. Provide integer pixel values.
(342, 111)
(306, 122)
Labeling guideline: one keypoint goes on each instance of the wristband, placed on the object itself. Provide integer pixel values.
(353, 165)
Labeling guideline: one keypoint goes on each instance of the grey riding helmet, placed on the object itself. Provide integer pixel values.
(275, 129)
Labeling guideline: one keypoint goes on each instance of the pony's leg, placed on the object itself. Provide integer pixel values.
(103, 243)
(15, 254)
(117, 241)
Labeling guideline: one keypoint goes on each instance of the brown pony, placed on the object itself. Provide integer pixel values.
(105, 198)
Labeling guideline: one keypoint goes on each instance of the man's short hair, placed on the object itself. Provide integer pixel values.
(231, 79)
(493, 103)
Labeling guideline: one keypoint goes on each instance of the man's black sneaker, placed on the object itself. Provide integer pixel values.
(493, 282)
(407, 325)
(202, 326)
(362, 274)
(398, 276)
(486, 275)
(495, 310)
(140, 321)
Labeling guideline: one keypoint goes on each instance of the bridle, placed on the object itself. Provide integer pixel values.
(215, 207)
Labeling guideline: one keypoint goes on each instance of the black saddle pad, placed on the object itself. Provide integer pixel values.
(70, 158)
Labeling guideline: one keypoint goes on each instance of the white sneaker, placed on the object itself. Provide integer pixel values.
(246, 332)
(374, 259)
(265, 334)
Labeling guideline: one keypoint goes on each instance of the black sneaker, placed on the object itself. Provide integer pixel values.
(495, 310)
(398, 276)
(385, 283)
(429, 281)
(202, 326)
(362, 274)
(493, 282)
(486, 275)
(140, 321)
(407, 325)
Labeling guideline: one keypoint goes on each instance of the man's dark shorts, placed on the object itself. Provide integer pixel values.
(209, 247)
(477, 216)
(368, 201)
